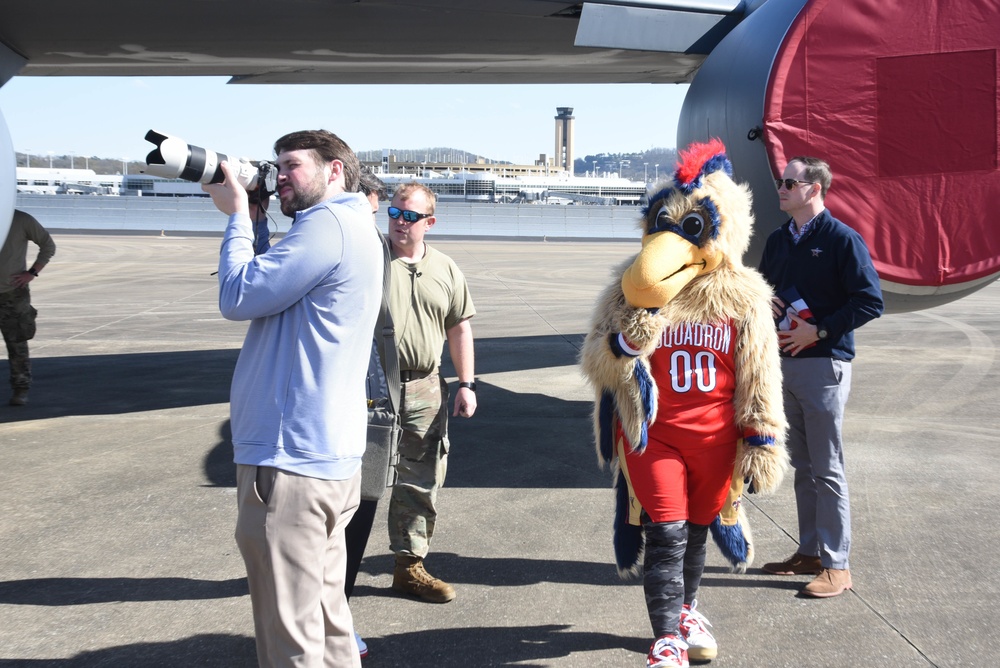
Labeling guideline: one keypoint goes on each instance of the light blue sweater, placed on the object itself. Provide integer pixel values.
(298, 396)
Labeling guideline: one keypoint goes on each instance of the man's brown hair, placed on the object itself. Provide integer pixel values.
(817, 171)
(327, 148)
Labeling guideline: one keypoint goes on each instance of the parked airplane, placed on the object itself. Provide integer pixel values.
(900, 97)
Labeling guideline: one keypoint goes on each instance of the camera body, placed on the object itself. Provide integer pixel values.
(174, 158)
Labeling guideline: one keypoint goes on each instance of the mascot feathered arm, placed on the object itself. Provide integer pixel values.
(762, 459)
(613, 360)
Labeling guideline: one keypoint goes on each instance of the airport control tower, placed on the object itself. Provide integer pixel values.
(564, 138)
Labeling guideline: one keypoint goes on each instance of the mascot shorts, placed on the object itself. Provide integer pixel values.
(674, 484)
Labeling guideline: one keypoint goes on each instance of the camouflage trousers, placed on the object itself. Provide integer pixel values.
(673, 563)
(423, 463)
(17, 322)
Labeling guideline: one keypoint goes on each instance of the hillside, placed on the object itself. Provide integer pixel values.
(641, 166)
(99, 165)
(636, 166)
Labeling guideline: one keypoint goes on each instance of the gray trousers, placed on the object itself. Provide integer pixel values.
(815, 394)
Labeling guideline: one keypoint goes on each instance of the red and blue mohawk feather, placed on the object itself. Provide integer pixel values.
(699, 160)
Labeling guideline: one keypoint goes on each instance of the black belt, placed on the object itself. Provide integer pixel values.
(406, 375)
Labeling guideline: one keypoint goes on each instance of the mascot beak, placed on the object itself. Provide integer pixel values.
(665, 265)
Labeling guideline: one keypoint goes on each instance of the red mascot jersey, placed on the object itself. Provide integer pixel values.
(695, 372)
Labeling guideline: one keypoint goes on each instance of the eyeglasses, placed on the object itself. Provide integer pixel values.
(408, 216)
(789, 183)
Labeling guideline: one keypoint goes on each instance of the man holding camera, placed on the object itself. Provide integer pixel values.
(298, 397)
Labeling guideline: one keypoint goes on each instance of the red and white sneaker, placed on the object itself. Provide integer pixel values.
(694, 628)
(668, 652)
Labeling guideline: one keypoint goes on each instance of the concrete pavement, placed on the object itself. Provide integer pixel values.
(118, 491)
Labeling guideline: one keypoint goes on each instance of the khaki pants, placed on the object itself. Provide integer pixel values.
(290, 531)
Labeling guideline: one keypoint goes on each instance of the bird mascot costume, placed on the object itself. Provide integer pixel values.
(683, 357)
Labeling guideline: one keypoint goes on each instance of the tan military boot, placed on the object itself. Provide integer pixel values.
(411, 578)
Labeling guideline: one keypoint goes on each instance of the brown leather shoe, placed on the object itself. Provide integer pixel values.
(797, 564)
(411, 578)
(831, 582)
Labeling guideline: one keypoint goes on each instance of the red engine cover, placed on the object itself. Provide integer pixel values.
(901, 98)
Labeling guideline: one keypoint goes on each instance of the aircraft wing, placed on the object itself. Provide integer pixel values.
(370, 41)
(900, 97)
(360, 41)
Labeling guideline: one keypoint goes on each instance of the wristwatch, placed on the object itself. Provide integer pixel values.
(471, 386)
(33, 272)
(822, 333)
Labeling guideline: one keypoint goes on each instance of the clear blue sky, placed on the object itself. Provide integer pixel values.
(108, 117)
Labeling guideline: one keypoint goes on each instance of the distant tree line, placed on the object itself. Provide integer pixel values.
(440, 154)
(99, 165)
(644, 165)
(116, 165)
(636, 166)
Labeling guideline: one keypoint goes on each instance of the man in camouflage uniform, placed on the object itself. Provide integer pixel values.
(429, 303)
(17, 316)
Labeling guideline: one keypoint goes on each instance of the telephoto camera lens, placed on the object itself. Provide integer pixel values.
(174, 158)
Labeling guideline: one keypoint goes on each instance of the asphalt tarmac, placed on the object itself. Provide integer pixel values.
(117, 490)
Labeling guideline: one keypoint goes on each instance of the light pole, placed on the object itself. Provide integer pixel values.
(27, 157)
(595, 169)
(645, 172)
(50, 159)
(656, 177)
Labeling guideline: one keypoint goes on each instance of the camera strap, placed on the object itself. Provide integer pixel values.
(386, 343)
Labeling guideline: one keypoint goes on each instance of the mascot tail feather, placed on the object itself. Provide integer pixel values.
(628, 538)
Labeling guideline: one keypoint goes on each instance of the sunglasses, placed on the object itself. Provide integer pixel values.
(789, 183)
(408, 216)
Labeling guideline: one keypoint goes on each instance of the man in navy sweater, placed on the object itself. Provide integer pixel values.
(825, 287)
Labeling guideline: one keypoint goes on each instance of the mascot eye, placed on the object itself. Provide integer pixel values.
(663, 220)
(693, 225)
